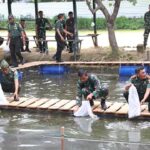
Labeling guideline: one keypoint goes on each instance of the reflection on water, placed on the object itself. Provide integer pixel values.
(21, 131)
(64, 86)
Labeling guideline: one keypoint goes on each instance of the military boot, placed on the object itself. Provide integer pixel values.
(103, 104)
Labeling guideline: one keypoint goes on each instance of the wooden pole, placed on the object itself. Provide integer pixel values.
(9, 7)
(95, 26)
(36, 8)
(76, 47)
(62, 137)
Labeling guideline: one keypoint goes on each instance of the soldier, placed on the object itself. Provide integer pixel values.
(147, 26)
(91, 88)
(9, 80)
(142, 84)
(23, 25)
(59, 35)
(41, 31)
(70, 28)
(15, 33)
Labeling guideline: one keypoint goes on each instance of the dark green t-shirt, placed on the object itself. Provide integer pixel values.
(14, 29)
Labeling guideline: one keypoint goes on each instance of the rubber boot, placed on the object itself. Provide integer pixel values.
(103, 104)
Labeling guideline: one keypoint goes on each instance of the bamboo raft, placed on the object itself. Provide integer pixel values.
(115, 109)
(73, 63)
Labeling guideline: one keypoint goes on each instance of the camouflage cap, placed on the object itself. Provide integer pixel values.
(4, 64)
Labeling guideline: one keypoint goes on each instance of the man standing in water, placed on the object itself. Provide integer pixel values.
(59, 32)
(90, 87)
(142, 83)
(147, 26)
(15, 33)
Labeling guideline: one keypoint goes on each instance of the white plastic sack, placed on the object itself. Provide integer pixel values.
(3, 100)
(85, 110)
(134, 103)
(6, 48)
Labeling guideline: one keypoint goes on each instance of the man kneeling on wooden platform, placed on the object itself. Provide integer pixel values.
(9, 80)
(142, 83)
(90, 87)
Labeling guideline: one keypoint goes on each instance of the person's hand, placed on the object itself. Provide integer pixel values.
(142, 101)
(7, 42)
(16, 97)
(71, 34)
(62, 39)
(89, 97)
(76, 108)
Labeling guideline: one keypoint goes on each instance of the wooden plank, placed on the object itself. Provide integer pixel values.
(16, 103)
(38, 63)
(28, 102)
(113, 108)
(100, 110)
(145, 113)
(144, 107)
(69, 105)
(48, 103)
(59, 104)
(123, 110)
(38, 103)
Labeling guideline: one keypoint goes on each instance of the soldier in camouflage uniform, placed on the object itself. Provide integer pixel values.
(142, 83)
(9, 80)
(15, 33)
(70, 28)
(41, 31)
(147, 26)
(90, 87)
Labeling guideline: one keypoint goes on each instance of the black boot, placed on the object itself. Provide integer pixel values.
(103, 104)
(91, 102)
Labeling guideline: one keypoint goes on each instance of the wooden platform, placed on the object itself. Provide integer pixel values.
(73, 63)
(115, 109)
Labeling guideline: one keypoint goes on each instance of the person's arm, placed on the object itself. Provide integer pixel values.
(65, 31)
(78, 98)
(8, 38)
(128, 85)
(49, 24)
(23, 37)
(58, 31)
(16, 80)
(145, 96)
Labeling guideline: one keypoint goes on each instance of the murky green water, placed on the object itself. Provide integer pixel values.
(36, 131)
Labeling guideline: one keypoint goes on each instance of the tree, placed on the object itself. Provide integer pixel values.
(110, 19)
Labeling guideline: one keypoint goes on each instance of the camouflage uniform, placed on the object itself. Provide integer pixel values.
(15, 42)
(141, 86)
(92, 85)
(70, 28)
(60, 43)
(147, 27)
(41, 33)
(7, 81)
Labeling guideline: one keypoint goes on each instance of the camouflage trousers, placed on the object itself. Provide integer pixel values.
(146, 34)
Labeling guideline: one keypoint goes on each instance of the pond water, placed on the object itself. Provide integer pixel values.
(37, 131)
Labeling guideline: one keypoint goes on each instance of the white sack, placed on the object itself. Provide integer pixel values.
(134, 103)
(3, 100)
(6, 48)
(85, 110)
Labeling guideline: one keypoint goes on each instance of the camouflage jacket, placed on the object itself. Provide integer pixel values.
(147, 20)
(140, 84)
(92, 85)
